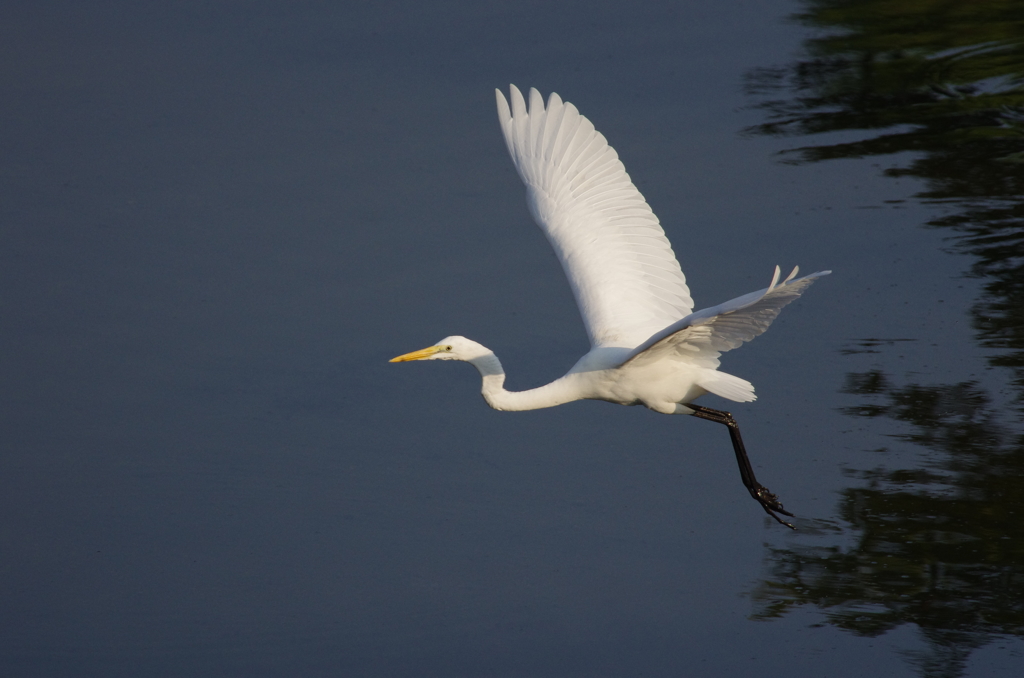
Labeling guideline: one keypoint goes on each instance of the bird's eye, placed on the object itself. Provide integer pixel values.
(447, 348)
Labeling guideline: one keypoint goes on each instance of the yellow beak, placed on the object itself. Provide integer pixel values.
(418, 355)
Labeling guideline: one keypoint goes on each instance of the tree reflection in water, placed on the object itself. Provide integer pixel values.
(940, 547)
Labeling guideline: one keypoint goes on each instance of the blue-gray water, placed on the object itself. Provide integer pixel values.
(219, 220)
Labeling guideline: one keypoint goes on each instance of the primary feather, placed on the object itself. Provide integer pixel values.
(621, 267)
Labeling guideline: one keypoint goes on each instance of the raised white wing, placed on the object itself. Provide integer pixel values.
(700, 338)
(622, 270)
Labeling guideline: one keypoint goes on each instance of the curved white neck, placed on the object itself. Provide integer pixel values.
(494, 392)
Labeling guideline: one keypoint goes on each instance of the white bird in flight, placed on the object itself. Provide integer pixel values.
(647, 346)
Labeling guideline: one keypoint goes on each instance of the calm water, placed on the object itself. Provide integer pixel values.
(219, 220)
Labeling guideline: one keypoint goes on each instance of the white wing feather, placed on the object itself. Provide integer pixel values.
(700, 338)
(623, 273)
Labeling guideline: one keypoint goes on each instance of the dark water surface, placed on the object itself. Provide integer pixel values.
(219, 220)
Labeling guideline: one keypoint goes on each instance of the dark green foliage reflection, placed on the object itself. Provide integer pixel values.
(940, 546)
(951, 71)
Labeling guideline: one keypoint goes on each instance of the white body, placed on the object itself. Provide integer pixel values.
(662, 387)
(647, 346)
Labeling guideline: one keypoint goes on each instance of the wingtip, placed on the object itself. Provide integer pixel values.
(504, 112)
(536, 101)
(518, 102)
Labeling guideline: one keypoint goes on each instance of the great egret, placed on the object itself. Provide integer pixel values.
(647, 347)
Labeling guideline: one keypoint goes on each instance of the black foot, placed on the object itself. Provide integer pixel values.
(771, 504)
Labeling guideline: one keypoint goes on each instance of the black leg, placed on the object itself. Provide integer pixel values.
(768, 501)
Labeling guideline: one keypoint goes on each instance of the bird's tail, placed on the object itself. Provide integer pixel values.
(728, 387)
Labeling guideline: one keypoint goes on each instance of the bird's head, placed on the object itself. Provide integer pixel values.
(449, 348)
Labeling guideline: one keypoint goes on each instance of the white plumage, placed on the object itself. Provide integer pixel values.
(647, 346)
(621, 268)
